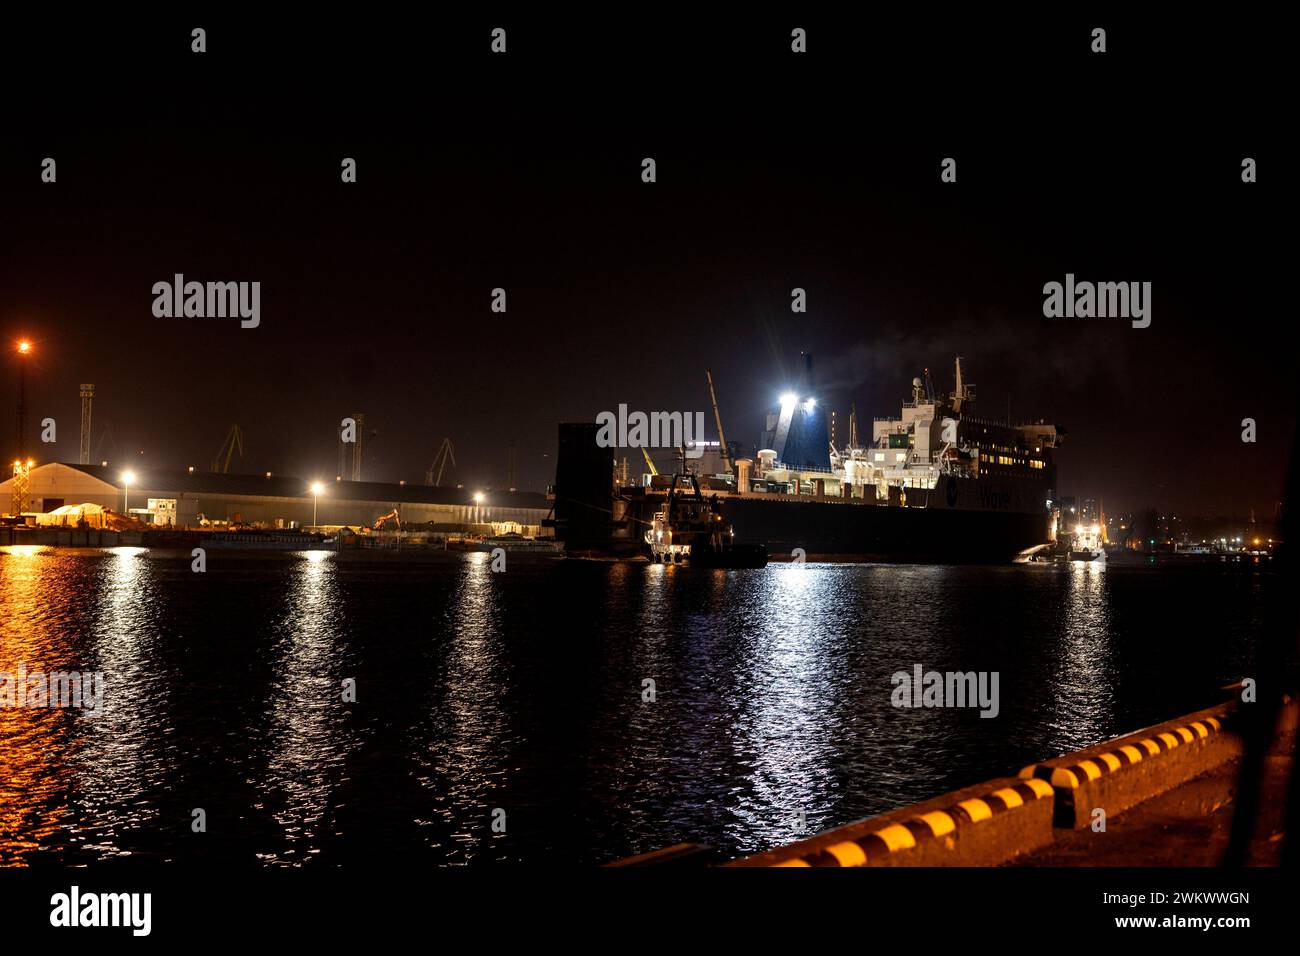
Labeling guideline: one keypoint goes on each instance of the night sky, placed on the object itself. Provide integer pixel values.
(522, 171)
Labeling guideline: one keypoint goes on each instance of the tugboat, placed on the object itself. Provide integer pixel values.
(1087, 544)
(690, 529)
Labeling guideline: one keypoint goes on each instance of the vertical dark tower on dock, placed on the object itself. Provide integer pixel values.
(87, 396)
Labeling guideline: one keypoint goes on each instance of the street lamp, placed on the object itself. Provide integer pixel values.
(316, 489)
(24, 349)
(127, 478)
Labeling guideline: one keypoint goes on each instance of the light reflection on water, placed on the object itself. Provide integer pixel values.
(306, 736)
(1084, 680)
(125, 755)
(526, 692)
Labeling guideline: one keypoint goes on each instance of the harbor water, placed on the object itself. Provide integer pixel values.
(570, 712)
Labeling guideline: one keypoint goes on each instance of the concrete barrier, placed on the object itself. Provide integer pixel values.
(1121, 773)
(976, 826)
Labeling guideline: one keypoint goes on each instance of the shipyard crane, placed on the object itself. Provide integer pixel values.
(234, 440)
(446, 453)
(648, 463)
(717, 417)
(391, 516)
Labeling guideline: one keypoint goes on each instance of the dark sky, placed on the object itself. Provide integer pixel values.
(523, 171)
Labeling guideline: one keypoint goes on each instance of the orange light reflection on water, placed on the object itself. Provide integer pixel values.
(37, 742)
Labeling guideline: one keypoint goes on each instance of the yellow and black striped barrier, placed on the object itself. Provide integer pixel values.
(1121, 773)
(976, 826)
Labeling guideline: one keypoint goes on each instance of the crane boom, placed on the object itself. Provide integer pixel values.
(717, 417)
(446, 453)
(648, 463)
(234, 440)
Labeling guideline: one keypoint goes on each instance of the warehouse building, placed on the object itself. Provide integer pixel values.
(191, 498)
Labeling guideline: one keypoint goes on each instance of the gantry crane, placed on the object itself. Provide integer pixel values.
(234, 440)
(446, 453)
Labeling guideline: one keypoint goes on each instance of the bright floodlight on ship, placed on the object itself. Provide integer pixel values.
(809, 404)
(1096, 529)
(789, 398)
(24, 347)
(1078, 529)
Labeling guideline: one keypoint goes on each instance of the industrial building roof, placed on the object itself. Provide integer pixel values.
(283, 486)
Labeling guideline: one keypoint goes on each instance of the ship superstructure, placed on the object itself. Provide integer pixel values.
(935, 445)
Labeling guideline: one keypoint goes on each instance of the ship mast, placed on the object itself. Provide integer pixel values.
(964, 393)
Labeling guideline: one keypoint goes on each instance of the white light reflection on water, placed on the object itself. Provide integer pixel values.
(126, 755)
(308, 738)
(1084, 689)
(464, 758)
(785, 729)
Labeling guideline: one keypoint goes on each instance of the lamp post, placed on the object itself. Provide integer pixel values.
(478, 509)
(316, 489)
(24, 350)
(127, 478)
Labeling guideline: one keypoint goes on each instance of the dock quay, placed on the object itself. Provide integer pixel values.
(1155, 797)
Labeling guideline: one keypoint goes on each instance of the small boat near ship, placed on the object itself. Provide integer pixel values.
(690, 529)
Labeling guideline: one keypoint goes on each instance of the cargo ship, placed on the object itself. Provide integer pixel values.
(935, 483)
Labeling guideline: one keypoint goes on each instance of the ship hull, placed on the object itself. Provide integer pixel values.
(837, 530)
